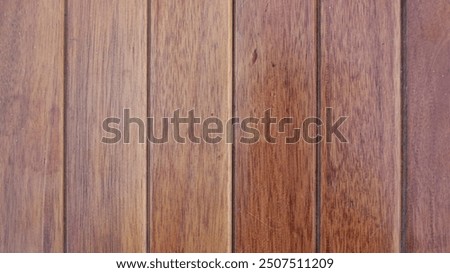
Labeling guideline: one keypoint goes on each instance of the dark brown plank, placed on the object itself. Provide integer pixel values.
(360, 78)
(106, 73)
(190, 69)
(275, 69)
(31, 137)
(428, 110)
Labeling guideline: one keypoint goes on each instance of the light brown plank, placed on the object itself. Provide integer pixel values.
(190, 69)
(360, 78)
(275, 69)
(106, 72)
(428, 110)
(31, 137)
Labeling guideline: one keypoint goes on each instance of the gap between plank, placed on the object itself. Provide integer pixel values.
(148, 204)
(65, 67)
(318, 114)
(233, 114)
(404, 129)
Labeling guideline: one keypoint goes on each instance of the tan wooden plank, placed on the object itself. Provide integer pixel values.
(106, 73)
(31, 137)
(190, 69)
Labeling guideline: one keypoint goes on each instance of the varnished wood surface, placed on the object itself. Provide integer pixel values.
(190, 69)
(31, 133)
(275, 55)
(106, 73)
(427, 82)
(65, 66)
(360, 78)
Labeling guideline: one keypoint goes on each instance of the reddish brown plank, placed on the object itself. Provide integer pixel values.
(31, 137)
(275, 55)
(360, 78)
(106, 73)
(190, 69)
(427, 99)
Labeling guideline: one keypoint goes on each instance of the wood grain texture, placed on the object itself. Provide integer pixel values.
(360, 78)
(190, 69)
(31, 136)
(275, 55)
(106, 73)
(428, 109)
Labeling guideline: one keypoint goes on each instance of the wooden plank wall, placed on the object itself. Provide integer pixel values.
(67, 65)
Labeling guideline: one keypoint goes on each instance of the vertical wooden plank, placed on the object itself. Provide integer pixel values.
(31, 137)
(190, 69)
(360, 78)
(275, 69)
(106, 73)
(427, 98)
